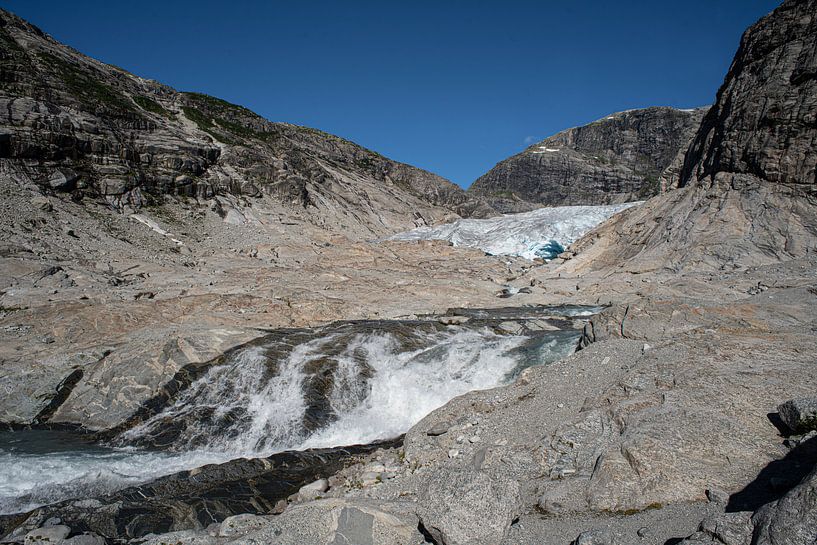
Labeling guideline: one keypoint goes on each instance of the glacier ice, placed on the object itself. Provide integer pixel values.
(542, 233)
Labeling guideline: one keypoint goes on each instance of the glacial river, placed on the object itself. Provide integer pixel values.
(343, 384)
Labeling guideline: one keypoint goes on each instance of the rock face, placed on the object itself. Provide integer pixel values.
(747, 190)
(91, 130)
(613, 160)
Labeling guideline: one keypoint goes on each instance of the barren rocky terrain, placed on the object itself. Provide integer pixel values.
(686, 415)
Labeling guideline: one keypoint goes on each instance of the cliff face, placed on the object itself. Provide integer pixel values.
(90, 130)
(747, 189)
(616, 159)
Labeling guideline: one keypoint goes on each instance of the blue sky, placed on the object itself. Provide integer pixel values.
(450, 86)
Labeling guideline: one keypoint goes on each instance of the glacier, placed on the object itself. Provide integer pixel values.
(542, 233)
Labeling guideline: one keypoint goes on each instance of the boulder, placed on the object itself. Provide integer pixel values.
(791, 519)
(800, 414)
(49, 535)
(461, 507)
(63, 179)
(313, 490)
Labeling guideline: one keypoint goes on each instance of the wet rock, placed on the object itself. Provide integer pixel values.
(183, 537)
(207, 495)
(800, 414)
(460, 507)
(453, 320)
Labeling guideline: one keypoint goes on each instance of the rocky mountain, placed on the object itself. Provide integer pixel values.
(89, 130)
(616, 159)
(747, 191)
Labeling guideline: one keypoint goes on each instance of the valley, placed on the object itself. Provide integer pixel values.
(219, 329)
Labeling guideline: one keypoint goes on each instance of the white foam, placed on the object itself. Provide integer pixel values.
(407, 386)
(28, 481)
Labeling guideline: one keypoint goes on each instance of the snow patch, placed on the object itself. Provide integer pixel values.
(155, 227)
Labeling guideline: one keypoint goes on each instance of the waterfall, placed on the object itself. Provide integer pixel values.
(342, 384)
(354, 384)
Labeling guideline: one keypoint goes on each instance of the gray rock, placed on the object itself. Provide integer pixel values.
(800, 414)
(338, 522)
(558, 497)
(354, 526)
(192, 145)
(724, 529)
(461, 507)
(790, 520)
(114, 186)
(716, 495)
(63, 179)
(85, 539)
(595, 537)
(241, 524)
(313, 490)
(438, 429)
(42, 203)
(50, 535)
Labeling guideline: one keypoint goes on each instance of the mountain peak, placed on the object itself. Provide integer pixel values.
(615, 159)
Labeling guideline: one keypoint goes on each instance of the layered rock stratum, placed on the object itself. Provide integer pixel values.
(617, 159)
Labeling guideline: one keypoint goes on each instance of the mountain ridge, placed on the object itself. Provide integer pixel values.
(618, 158)
(133, 141)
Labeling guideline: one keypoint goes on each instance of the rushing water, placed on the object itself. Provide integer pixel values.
(349, 383)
